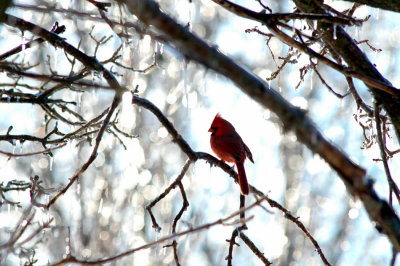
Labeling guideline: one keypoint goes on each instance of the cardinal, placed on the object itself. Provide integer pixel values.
(229, 146)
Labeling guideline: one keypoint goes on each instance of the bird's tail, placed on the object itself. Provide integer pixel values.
(244, 186)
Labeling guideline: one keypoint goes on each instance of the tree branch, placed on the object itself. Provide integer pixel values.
(391, 5)
(292, 117)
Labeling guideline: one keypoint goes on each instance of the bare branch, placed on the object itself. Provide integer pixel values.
(177, 182)
(10, 154)
(253, 248)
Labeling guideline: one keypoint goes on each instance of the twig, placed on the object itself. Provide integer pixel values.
(253, 248)
(237, 230)
(63, 80)
(10, 154)
(90, 62)
(360, 103)
(313, 65)
(72, 259)
(185, 205)
(264, 6)
(174, 184)
(392, 185)
(232, 242)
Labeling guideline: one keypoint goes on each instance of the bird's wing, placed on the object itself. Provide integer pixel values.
(229, 145)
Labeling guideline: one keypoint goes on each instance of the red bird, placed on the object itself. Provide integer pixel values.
(229, 146)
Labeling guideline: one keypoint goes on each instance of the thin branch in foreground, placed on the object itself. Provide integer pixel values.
(10, 154)
(237, 230)
(173, 185)
(300, 225)
(232, 242)
(185, 205)
(369, 45)
(224, 221)
(253, 248)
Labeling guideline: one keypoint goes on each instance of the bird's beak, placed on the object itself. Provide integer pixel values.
(211, 129)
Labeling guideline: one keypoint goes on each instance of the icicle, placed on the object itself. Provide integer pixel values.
(20, 149)
(23, 46)
(51, 159)
(161, 49)
(78, 189)
(185, 82)
(67, 250)
(357, 33)
(79, 100)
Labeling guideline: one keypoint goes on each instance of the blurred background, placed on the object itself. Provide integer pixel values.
(104, 214)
